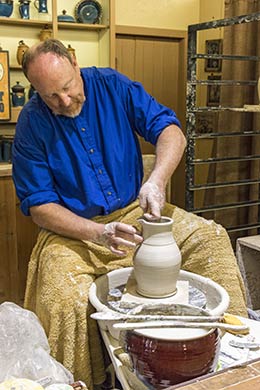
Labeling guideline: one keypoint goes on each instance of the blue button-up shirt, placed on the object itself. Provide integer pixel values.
(90, 164)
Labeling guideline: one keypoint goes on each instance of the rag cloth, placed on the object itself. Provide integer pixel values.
(61, 271)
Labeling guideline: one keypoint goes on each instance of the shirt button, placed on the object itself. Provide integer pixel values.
(109, 193)
(100, 171)
(83, 129)
(91, 150)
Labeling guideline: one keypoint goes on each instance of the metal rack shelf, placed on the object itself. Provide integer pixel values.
(194, 136)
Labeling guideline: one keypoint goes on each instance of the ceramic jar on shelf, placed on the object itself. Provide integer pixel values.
(71, 50)
(45, 33)
(64, 17)
(41, 6)
(6, 8)
(18, 95)
(21, 49)
(24, 9)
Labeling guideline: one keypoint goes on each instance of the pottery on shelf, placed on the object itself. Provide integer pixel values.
(65, 18)
(6, 7)
(157, 260)
(24, 9)
(71, 50)
(45, 33)
(21, 49)
(41, 6)
(18, 95)
(2, 106)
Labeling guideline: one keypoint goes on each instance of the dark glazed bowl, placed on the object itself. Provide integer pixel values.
(160, 363)
(6, 7)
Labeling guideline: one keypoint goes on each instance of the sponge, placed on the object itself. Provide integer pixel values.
(234, 320)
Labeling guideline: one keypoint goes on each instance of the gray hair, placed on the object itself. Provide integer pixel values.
(48, 46)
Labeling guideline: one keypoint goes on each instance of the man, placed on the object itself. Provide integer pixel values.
(77, 169)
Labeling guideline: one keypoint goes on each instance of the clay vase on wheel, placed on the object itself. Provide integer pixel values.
(157, 260)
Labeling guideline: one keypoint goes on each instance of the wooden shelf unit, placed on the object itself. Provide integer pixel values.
(18, 233)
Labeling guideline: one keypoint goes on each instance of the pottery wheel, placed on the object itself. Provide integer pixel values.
(125, 297)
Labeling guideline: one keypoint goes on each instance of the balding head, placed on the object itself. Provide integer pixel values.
(48, 46)
(56, 77)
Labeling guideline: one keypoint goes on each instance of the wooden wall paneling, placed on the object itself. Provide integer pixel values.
(157, 59)
(27, 233)
(9, 276)
(125, 55)
(18, 235)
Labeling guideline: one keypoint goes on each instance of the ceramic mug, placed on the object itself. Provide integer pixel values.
(41, 6)
(24, 9)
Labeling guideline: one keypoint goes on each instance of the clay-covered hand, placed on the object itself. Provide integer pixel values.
(117, 234)
(152, 200)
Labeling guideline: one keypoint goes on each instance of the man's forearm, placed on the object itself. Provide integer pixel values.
(169, 151)
(60, 220)
(116, 236)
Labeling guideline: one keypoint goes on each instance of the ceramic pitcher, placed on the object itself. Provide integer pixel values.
(24, 9)
(157, 260)
(41, 6)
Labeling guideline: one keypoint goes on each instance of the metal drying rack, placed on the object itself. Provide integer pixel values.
(193, 136)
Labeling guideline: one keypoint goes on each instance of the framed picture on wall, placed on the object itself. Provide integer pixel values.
(213, 46)
(213, 91)
(206, 122)
(5, 108)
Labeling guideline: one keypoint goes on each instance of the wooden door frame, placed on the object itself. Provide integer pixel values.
(178, 180)
(181, 36)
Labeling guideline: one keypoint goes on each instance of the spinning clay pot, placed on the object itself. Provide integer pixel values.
(157, 260)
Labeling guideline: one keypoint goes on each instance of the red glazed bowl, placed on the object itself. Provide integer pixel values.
(160, 363)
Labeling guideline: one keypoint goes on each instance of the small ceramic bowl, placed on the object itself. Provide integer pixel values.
(161, 362)
(6, 7)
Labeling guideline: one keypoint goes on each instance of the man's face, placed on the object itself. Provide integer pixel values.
(59, 84)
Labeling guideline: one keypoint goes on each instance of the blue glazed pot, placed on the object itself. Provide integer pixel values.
(18, 96)
(6, 7)
(24, 9)
(65, 18)
(41, 6)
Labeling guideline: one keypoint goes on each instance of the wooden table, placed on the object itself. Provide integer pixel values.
(244, 377)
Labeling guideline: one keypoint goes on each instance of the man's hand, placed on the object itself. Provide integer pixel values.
(151, 200)
(117, 234)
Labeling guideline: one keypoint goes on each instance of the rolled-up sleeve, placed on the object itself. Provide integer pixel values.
(148, 116)
(31, 175)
